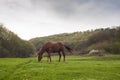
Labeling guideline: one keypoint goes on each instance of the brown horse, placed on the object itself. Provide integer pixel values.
(53, 47)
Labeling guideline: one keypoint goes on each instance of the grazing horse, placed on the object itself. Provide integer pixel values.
(53, 47)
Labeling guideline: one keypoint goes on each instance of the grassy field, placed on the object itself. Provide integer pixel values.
(75, 68)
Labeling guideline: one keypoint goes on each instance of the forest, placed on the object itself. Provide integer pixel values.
(106, 39)
(13, 46)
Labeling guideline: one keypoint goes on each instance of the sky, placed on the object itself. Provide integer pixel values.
(37, 18)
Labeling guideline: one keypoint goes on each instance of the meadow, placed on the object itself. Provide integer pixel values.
(75, 68)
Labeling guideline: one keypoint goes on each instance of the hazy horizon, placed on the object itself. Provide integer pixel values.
(37, 18)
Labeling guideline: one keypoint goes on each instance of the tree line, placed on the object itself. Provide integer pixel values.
(107, 39)
(13, 46)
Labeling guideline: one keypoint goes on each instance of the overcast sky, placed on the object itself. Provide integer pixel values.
(36, 18)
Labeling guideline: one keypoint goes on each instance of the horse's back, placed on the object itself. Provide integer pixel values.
(54, 43)
(55, 46)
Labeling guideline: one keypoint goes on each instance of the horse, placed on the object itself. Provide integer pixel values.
(53, 47)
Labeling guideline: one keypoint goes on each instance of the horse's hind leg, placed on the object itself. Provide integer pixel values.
(59, 56)
(49, 56)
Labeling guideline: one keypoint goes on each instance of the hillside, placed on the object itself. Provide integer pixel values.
(72, 39)
(107, 39)
(13, 46)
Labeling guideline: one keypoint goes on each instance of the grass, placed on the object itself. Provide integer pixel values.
(75, 68)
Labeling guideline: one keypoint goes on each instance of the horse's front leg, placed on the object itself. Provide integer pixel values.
(59, 56)
(47, 59)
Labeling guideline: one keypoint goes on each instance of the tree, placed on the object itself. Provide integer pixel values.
(13, 46)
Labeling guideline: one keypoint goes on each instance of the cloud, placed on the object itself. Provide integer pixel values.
(33, 18)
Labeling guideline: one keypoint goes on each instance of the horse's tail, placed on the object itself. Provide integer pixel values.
(69, 49)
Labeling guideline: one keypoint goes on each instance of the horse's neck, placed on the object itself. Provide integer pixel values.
(42, 51)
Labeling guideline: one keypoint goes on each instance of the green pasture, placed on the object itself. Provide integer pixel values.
(75, 68)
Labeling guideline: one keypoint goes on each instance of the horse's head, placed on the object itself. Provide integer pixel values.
(39, 57)
(69, 49)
